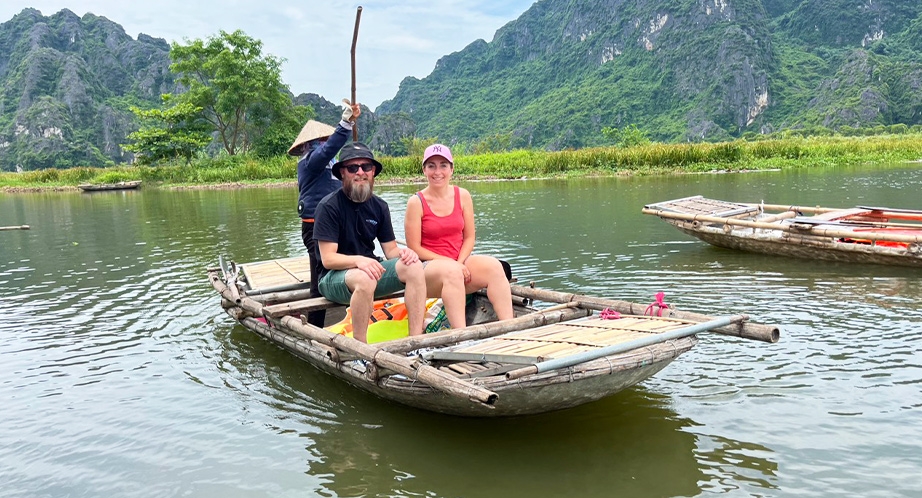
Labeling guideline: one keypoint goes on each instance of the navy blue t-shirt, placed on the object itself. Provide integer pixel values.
(353, 226)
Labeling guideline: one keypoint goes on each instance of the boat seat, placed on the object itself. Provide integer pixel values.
(702, 205)
(277, 275)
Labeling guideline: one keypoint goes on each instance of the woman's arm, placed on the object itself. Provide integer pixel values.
(467, 209)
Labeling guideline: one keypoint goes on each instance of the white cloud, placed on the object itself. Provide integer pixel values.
(396, 39)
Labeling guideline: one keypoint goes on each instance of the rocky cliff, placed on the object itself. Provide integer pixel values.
(680, 70)
(67, 85)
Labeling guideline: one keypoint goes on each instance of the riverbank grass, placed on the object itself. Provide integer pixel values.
(647, 159)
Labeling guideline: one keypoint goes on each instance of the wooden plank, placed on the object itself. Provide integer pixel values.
(481, 357)
(288, 272)
(558, 340)
(702, 205)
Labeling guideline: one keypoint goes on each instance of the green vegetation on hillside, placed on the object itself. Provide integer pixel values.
(681, 71)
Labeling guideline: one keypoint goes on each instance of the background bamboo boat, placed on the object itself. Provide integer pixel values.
(862, 234)
(93, 187)
(16, 227)
(575, 350)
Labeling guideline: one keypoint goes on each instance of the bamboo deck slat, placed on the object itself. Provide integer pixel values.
(278, 273)
(559, 340)
(703, 205)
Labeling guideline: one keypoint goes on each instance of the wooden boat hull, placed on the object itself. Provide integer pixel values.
(860, 235)
(542, 393)
(89, 187)
(800, 246)
(545, 359)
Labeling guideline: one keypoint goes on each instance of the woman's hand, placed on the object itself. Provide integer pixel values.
(408, 256)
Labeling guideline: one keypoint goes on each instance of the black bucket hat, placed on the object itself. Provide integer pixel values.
(355, 150)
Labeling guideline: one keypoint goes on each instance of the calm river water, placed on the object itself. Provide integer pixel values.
(121, 376)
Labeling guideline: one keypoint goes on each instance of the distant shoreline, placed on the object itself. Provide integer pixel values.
(382, 182)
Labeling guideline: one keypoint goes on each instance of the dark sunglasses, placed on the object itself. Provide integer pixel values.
(354, 168)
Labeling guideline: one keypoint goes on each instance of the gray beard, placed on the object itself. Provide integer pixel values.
(358, 193)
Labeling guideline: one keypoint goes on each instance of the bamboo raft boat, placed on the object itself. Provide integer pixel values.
(96, 187)
(576, 350)
(876, 235)
(17, 227)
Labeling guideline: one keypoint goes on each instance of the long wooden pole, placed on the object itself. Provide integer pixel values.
(576, 359)
(430, 376)
(355, 39)
(811, 230)
(746, 330)
(885, 211)
(413, 369)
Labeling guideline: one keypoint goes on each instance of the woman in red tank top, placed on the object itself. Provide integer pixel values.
(439, 226)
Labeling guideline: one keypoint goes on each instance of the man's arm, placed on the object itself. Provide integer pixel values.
(391, 250)
(333, 260)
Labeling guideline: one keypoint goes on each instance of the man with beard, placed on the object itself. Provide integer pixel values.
(346, 224)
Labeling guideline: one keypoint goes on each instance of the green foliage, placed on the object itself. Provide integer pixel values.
(497, 142)
(238, 88)
(112, 177)
(555, 76)
(653, 158)
(629, 136)
(278, 137)
(176, 132)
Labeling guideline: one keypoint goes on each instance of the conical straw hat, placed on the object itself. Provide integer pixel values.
(312, 131)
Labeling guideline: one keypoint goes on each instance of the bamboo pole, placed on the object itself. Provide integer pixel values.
(297, 307)
(745, 330)
(885, 211)
(806, 230)
(778, 217)
(576, 359)
(483, 331)
(226, 292)
(279, 296)
(20, 227)
(800, 209)
(411, 368)
(355, 39)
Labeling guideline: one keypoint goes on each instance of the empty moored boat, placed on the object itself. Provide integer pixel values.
(863, 234)
(95, 187)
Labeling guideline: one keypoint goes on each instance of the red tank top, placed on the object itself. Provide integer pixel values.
(442, 235)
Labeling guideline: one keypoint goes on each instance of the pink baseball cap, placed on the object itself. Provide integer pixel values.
(438, 150)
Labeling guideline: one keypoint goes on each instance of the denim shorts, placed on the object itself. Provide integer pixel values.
(333, 284)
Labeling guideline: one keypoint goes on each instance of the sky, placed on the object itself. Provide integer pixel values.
(397, 38)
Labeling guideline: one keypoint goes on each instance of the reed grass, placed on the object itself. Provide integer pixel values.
(653, 158)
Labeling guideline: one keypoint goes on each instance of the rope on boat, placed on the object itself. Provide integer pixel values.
(657, 306)
(609, 314)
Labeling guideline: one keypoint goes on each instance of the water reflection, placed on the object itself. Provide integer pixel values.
(622, 443)
(122, 377)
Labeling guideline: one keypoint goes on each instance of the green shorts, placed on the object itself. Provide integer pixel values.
(333, 284)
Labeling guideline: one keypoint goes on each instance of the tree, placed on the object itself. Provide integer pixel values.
(171, 133)
(238, 89)
(628, 136)
(278, 137)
